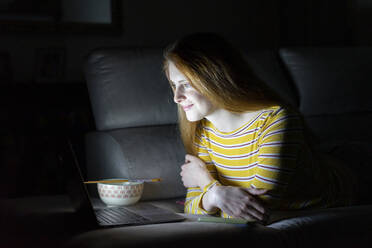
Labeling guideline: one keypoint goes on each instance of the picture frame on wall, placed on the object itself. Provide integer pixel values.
(49, 65)
(61, 16)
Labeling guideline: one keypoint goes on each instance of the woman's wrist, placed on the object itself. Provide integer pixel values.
(209, 198)
(204, 181)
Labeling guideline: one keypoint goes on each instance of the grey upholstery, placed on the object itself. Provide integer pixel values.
(331, 80)
(335, 88)
(266, 65)
(334, 227)
(139, 152)
(49, 221)
(128, 89)
(334, 85)
(135, 117)
(137, 137)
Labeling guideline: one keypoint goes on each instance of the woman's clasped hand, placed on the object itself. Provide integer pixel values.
(248, 149)
(238, 202)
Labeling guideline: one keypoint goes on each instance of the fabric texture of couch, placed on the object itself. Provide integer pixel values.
(137, 134)
(137, 137)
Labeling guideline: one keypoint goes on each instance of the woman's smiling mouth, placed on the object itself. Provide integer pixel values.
(187, 107)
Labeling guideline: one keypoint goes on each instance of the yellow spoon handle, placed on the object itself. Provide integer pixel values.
(124, 180)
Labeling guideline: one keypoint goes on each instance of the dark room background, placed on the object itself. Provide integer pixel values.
(43, 93)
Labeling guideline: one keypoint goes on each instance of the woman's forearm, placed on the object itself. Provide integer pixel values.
(209, 199)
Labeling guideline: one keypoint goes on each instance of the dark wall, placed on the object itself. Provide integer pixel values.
(363, 22)
(259, 23)
(251, 23)
(318, 23)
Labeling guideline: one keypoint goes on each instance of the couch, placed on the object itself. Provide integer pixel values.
(136, 137)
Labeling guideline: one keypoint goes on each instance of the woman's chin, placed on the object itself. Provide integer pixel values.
(192, 118)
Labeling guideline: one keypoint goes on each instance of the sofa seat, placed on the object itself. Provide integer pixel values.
(37, 221)
(182, 234)
(332, 227)
(46, 221)
(136, 138)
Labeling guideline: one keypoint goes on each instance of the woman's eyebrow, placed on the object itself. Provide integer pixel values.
(180, 81)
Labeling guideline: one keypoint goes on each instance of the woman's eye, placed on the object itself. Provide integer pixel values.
(183, 85)
(187, 85)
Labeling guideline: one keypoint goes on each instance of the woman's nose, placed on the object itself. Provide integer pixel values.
(178, 95)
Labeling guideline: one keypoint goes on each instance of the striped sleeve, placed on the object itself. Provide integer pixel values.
(194, 196)
(280, 143)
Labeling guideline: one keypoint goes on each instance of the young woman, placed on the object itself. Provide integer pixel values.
(247, 149)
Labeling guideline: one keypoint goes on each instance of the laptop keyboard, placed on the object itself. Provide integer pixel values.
(118, 215)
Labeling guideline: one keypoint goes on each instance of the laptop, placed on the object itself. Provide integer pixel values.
(141, 213)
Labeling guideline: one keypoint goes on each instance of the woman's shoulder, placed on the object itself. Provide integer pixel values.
(202, 126)
(281, 111)
(281, 115)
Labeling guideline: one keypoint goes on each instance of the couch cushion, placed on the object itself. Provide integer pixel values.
(135, 153)
(128, 88)
(180, 235)
(356, 155)
(331, 80)
(265, 63)
(333, 227)
(334, 85)
(341, 127)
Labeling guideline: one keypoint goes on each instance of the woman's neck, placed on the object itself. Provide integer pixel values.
(226, 121)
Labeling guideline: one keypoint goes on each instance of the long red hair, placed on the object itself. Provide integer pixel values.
(220, 73)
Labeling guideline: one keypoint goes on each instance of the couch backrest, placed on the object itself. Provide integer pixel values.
(128, 88)
(135, 116)
(334, 86)
(267, 66)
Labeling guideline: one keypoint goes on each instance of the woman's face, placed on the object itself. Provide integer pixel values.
(195, 105)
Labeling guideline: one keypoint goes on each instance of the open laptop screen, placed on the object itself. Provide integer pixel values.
(75, 187)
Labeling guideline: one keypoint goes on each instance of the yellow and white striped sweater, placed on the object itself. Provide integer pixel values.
(267, 152)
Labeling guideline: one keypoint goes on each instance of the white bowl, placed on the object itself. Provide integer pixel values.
(120, 194)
